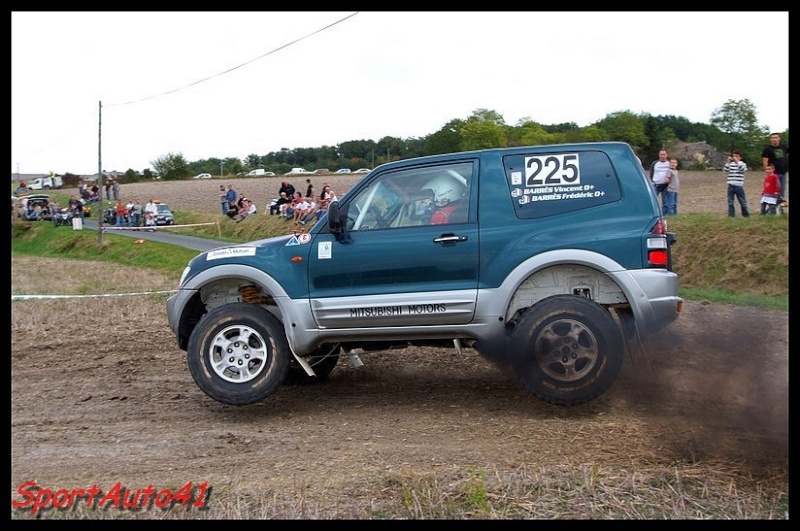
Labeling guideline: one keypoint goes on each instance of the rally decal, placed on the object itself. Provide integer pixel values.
(230, 252)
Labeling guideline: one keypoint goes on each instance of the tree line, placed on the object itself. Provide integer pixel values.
(734, 125)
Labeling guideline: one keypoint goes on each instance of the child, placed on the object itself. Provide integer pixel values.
(670, 195)
(771, 191)
(734, 172)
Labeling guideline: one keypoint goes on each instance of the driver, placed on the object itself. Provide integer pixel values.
(448, 195)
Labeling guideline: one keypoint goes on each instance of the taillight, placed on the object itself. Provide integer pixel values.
(660, 227)
(658, 245)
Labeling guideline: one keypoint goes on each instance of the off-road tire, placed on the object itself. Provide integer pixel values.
(566, 350)
(238, 354)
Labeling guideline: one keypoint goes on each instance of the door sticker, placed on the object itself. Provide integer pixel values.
(324, 250)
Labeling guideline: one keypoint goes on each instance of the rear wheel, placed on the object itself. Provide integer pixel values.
(238, 354)
(567, 350)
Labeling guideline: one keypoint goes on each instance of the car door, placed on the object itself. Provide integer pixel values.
(390, 266)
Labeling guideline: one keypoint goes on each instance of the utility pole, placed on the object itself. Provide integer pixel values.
(100, 173)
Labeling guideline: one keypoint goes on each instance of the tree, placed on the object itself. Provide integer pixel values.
(445, 140)
(484, 129)
(172, 166)
(737, 119)
(625, 126)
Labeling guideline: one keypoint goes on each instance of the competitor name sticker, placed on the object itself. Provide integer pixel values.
(551, 178)
(230, 252)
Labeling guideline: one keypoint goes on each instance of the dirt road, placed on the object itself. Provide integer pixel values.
(101, 394)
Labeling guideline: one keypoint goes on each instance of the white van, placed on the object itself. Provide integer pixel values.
(296, 171)
(260, 171)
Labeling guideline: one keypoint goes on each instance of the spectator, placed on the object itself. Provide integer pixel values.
(81, 187)
(108, 189)
(289, 208)
(771, 192)
(659, 174)
(248, 208)
(75, 206)
(301, 208)
(223, 199)
(128, 207)
(287, 187)
(35, 212)
(232, 197)
(670, 195)
(135, 213)
(275, 207)
(321, 207)
(777, 154)
(150, 211)
(734, 171)
(115, 189)
(95, 196)
(122, 214)
(309, 190)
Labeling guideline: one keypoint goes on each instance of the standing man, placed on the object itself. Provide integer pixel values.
(232, 196)
(659, 175)
(777, 154)
(115, 189)
(287, 187)
(223, 199)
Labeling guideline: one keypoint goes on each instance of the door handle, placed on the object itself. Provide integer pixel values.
(450, 238)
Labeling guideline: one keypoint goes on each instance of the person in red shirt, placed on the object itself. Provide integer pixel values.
(448, 197)
(771, 192)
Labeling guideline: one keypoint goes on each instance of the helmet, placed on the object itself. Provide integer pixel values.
(446, 189)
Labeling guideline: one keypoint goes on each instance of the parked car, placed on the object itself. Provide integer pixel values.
(269, 174)
(343, 170)
(23, 202)
(553, 261)
(203, 176)
(319, 171)
(362, 170)
(164, 215)
(297, 171)
(46, 183)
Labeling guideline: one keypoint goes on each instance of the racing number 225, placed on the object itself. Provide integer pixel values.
(552, 170)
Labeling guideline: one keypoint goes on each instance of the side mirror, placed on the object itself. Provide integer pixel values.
(334, 218)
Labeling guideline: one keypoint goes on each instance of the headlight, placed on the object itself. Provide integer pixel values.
(183, 276)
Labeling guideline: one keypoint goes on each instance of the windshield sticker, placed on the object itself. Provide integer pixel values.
(324, 250)
(230, 252)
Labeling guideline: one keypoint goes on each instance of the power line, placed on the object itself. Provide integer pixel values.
(237, 66)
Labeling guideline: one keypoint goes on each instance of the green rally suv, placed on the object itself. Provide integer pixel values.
(553, 260)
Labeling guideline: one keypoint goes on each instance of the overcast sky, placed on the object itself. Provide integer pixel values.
(131, 87)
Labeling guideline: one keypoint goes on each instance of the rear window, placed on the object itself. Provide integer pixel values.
(545, 184)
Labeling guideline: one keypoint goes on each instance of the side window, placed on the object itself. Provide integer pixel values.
(424, 195)
(546, 184)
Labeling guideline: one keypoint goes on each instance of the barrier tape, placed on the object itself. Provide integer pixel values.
(45, 297)
(148, 227)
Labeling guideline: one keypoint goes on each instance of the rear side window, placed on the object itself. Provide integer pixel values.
(543, 184)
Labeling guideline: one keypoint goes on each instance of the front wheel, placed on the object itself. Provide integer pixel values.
(567, 350)
(238, 354)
